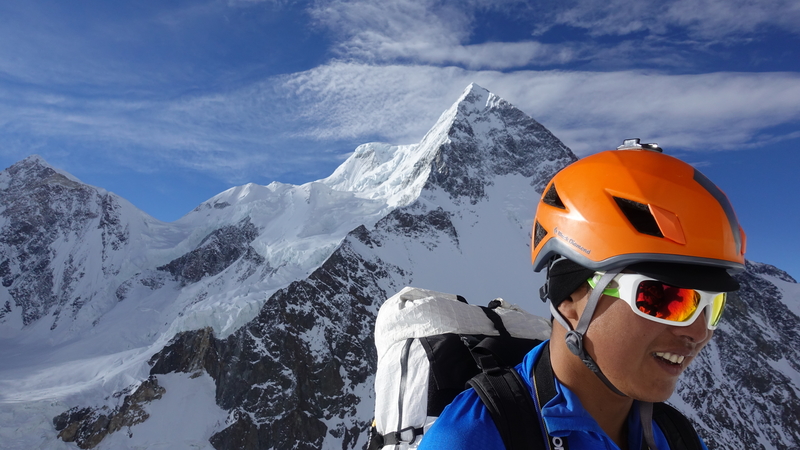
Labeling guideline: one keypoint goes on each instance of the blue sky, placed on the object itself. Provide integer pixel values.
(168, 103)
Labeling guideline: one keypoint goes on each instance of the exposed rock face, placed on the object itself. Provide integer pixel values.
(294, 377)
(216, 253)
(739, 391)
(88, 426)
(44, 210)
(299, 374)
(490, 137)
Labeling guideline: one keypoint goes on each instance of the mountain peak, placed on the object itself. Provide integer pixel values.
(479, 137)
(475, 94)
(34, 159)
(34, 169)
(33, 165)
(482, 136)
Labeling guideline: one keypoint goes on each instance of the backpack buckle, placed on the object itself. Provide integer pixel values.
(396, 437)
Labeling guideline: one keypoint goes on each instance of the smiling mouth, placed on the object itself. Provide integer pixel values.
(670, 358)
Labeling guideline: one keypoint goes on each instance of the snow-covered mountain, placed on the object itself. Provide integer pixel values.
(248, 322)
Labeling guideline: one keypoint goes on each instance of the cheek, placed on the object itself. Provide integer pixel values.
(619, 335)
(615, 317)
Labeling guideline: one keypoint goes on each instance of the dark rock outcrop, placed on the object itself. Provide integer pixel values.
(45, 209)
(299, 365)
(216, 252)
(489, 137)
(86, 427)
(736, 391)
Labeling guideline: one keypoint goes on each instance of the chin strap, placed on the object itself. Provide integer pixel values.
(574, 341)
(646, 417)
(574, 337)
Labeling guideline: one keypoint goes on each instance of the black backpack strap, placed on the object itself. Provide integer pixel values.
(676, 428)
(511, 407)
(405, 436)
(504, 393)
(375, 441)
(497, 321)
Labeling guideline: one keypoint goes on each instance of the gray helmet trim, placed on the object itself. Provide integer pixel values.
(724, 203)
(555, 246)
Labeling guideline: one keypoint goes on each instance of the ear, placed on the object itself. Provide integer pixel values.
(572, 307)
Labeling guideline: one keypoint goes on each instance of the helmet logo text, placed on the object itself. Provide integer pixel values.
(571, 241)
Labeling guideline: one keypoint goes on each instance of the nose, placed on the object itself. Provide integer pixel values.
(696, 332)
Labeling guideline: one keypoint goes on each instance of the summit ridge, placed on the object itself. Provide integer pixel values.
(255, 311)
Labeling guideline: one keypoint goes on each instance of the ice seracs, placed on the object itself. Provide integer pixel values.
(279, 323)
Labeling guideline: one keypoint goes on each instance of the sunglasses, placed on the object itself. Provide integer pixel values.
(665, 303)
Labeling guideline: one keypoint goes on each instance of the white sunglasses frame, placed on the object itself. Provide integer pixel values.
(628, 284)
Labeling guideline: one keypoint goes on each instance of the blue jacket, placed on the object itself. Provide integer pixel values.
(466, 423)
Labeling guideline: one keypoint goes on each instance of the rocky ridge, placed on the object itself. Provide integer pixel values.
(299, 373)
(41, 209)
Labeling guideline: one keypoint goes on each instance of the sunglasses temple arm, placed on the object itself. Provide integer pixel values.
(594, 299)
(574, 338)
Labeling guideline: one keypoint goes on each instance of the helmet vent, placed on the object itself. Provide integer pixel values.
(639, 216)
(538, 234)
(551, 198)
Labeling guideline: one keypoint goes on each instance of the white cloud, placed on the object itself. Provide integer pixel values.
(588, 110)
(442, 32)
(428, 32)
(499, 55)
(723, 18)
(294, 122)
(703, 19)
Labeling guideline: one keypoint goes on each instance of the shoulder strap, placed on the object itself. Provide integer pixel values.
(511, 407)
(676, 428)
(503, 392)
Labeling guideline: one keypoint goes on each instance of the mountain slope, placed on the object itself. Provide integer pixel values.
(744, 388)
(248, 323)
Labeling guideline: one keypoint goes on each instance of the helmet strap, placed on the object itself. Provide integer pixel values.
(646, 417)
(574, 337)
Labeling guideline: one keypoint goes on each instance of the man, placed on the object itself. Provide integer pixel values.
(639, 249)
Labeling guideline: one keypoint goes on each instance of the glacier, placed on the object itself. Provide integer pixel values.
(254, 311)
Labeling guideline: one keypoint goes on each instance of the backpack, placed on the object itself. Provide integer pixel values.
(430, 344)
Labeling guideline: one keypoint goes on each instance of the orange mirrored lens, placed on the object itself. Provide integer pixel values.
(667, 302)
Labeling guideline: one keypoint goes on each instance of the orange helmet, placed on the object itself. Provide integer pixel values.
(635, 204)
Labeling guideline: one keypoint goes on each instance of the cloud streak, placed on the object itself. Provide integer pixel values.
(707, 20)
(399, 64)
(589, 110)
(428, 32)
(443, 32)
(280, 124)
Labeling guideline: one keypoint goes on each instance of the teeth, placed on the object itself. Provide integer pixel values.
(674, 359)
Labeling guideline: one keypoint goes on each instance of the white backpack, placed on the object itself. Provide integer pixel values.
(428, 346)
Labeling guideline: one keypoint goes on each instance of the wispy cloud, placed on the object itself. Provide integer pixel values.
(428, 32)
(589, 110)
(284, 123)
(399, 64)
(703, 19)
(234, 135)
(443, 32)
